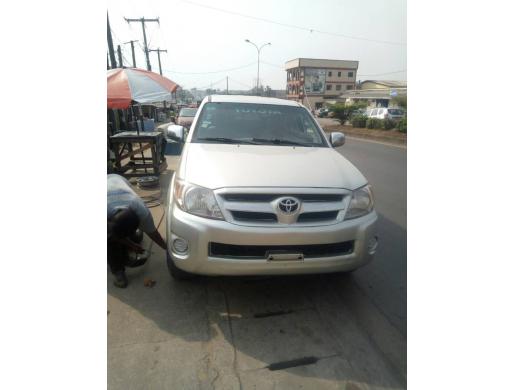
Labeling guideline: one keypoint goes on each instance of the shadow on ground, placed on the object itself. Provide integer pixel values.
(252, 322)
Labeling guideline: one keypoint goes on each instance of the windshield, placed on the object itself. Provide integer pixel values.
(395, 111)
(188, 112)
(267, 124)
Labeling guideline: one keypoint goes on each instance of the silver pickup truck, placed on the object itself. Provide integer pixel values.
(260, 189)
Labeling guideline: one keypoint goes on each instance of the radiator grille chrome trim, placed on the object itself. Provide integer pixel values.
(259, 206)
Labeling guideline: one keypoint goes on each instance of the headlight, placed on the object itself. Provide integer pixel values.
(362, 203)
(196, 200)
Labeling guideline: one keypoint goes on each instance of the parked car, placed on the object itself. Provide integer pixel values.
(186, 116)
(322, 112)
(260, 189)
(386, 113)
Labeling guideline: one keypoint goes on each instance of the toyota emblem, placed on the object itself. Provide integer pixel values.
(288, 205)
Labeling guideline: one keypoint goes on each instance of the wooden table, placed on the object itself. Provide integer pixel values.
(129, 148)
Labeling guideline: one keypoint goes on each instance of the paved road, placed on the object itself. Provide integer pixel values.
(238, 333)
(384, 280)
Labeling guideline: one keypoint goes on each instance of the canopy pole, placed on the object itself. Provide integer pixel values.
(140, 112)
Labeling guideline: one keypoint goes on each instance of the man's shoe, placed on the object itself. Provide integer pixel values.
(138, 260)
(120, 279)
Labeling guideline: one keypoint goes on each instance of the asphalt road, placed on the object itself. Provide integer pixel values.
(384, 279)
(337, 331)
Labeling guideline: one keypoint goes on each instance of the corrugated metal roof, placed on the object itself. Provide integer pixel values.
(388, 83)
(373, 93)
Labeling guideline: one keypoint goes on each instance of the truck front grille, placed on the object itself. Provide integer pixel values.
(260, 206)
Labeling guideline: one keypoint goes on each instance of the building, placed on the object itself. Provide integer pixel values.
(376, 93)
(313, 81)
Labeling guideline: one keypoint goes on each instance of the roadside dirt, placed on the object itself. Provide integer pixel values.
(392, 136)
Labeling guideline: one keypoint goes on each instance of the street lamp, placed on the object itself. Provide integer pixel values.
(258, 51)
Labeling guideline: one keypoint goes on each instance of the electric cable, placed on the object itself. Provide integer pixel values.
(311, 30)
(215, 71)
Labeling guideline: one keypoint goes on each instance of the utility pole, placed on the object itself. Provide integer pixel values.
(227, 84)
(110, 44)
(120, 56)
(132, 49)
(159, 57)
(143, 20)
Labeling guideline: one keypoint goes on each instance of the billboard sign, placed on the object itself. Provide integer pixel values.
(314, 81)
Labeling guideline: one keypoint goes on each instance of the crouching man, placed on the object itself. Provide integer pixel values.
(126, 212)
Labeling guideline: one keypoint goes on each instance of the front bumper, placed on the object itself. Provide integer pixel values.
(199, 232)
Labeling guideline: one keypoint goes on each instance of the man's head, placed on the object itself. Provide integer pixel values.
(122, 224)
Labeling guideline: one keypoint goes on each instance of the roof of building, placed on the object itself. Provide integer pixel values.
(321, 63)
(372, 93)
(251, 99)
(388, 83)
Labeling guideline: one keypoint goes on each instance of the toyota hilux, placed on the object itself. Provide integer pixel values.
(261, 189)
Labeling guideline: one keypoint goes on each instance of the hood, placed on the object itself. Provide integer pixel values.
(184, 120)
(220, 165)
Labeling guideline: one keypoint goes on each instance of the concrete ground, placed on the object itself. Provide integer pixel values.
(230, 333)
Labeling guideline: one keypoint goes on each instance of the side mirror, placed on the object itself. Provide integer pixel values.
(337, 139)
(176, 132)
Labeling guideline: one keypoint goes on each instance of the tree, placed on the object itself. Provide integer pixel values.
(210, 91)
(184, 95)
(343, 112)
(401, 101)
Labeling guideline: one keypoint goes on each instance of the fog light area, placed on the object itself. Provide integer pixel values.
(180, 245)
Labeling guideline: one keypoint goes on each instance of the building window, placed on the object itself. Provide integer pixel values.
(350, 74)
(349, 86)
(329, 87)
(329, 73)
(338, 87)
(339, 74)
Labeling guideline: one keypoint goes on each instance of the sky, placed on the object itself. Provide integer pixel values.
(205, 39)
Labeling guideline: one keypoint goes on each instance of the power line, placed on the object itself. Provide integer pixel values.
(210, 85)
(211, 72)
(311, 30)
(142, 21)
(375, 74)
(277, 66)
(239, 82)
(382, 74)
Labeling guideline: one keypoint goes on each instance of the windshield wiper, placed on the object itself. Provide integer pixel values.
(226, 140)
(277, 141)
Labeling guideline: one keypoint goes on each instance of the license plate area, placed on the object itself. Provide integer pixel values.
(284, 255)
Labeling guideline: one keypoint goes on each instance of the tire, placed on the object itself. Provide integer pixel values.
(175, 272)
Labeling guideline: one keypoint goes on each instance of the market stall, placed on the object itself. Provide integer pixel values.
(137, 148)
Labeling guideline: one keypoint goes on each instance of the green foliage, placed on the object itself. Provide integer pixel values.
(374, 123)
(402, 126)
(389, 124)
(400, 101)
(343, 112)
(359, 121)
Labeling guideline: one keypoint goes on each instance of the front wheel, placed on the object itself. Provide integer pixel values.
(176, 272)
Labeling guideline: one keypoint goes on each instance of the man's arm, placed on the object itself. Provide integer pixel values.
(156, 237)
(129, 244)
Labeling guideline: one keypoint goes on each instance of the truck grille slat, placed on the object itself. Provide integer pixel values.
(254, 216)
(318, 216)
(234, 197)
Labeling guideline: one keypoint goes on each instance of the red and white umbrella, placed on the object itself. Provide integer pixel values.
(125, 85)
